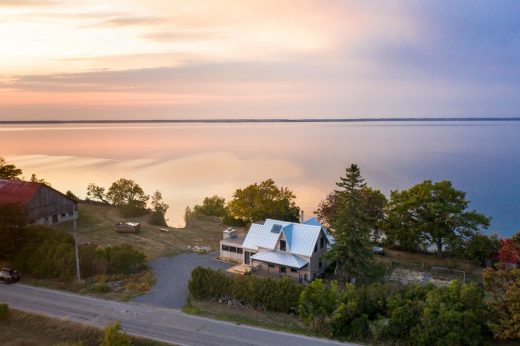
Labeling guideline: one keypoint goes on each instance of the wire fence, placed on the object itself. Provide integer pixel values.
(421, 273)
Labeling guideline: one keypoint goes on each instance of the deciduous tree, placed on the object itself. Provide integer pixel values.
(127, 192)
(211, 206)
(509, 251)
(264, 200)
(432, 214)
(96, 192)
(504, 285)
(159, 208)
(9, 171)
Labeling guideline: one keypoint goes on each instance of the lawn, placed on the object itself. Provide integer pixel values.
(22, 328)
(253, 317)
(96, 225)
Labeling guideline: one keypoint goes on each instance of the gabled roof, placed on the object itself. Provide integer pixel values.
(300, 237)
(314, 221)
(14, 191)
(281, 258)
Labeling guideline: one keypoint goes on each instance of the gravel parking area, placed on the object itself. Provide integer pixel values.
(172, 275)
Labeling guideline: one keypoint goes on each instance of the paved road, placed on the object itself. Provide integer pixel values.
(172, 275)
(167, 325)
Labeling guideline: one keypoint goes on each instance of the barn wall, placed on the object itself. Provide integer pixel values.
(49, 206)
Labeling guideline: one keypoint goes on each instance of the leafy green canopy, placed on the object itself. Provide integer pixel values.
(431, 214)
(264, 200)
(9, 171)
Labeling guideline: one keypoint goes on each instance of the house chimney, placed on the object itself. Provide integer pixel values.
(301, 216)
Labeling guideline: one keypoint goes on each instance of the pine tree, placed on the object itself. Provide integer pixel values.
(352, 227)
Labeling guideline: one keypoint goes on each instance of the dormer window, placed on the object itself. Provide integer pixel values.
(322, 241)
(283, 245)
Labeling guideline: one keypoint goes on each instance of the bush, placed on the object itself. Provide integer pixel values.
(231, 221)
(121, 259)
(4, 311)
(113, 336)
(72, 196)
(279, 295)
(131, 210)
(157, 219)
(46, 253)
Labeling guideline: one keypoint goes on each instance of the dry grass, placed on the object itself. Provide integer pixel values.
(27, 329)
(96, 225)
(473, 271)
(248, 316)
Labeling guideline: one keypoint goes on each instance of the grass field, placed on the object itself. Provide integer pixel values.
(22, 328)
(253, 317)
(96, 225)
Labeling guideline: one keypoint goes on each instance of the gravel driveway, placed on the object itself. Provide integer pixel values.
(172, 275)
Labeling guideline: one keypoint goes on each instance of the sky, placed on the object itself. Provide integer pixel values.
(169, 59)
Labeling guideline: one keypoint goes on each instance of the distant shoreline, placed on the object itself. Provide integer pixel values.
(249, 120)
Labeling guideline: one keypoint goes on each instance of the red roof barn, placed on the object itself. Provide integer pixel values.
(44, 205)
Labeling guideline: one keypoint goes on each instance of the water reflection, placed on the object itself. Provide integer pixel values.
(190, 161)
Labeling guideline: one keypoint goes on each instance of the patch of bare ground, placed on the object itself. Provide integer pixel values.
(473, 271)
(22, 328)
(96, 225)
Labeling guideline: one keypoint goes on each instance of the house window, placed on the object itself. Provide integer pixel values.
(322, 241)
(225, 248)
(283, 245)
(293, 270)
(64, 214)
(232, 249)
(271, 265)
(54, 218)
(282, 270)
(315, 247)
(320, 264)
(239, 250)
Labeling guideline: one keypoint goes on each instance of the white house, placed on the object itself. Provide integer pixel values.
(287, 248)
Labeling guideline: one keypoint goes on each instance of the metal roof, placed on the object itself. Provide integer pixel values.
(300, 238)
(280, 258)
(14, 191)
(314, 221)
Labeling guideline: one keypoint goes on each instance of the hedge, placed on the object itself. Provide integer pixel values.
(279, 295)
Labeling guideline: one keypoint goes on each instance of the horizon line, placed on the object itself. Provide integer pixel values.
(255, 120)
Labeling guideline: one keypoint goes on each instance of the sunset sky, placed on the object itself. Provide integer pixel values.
(166, 59)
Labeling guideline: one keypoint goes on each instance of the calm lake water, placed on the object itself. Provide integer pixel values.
(187, 162)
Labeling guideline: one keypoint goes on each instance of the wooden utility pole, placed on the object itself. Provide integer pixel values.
(76, 244)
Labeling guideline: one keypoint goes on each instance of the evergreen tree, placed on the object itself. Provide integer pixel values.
(351, 227)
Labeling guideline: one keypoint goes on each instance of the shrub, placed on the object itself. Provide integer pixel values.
(72, 196)
(231, 221)
(114, 336)
(157, 219)
(4, 311)
(100, 288)
(271, 294)
(453, 315)
(46, 253)
(121, 259)
(132, 210)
